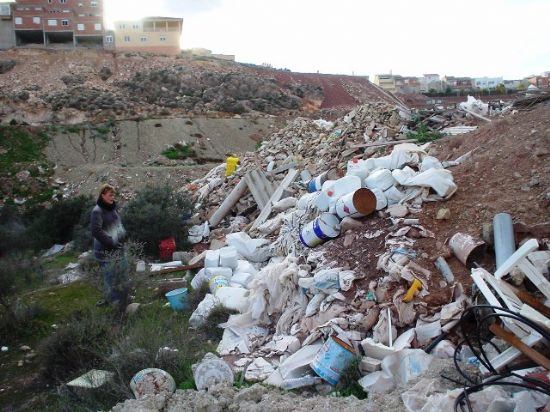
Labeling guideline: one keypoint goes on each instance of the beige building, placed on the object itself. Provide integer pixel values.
(151, 34)
(385, 81)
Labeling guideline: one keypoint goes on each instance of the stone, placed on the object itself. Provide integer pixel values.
(398, 210)
(349, 223)
(23, 175)
(20, 364)
(252, 394)
(443, 214)
(25, 348)
(349, 239)
(132, 309)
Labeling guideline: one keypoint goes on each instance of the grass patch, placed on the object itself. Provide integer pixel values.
(179, 152)
(424, 135)
(348, 384)
(20, 146)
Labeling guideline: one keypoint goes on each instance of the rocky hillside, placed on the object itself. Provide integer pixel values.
(41, 86)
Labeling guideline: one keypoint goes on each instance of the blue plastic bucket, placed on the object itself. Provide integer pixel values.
(333, 357)
(326, 226)
(177, 299)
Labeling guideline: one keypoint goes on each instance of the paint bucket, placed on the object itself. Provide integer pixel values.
(325, 227)
(333, 357)
(360, 203)
(177, 299)
(381, 199)
(466, 248)
(316, 184)
(217, 282)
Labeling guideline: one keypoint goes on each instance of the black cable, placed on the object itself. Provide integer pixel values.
(475, 338)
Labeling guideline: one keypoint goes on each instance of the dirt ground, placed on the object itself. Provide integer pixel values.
(508, 172)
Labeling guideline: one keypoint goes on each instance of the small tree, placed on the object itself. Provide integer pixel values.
(157, 213)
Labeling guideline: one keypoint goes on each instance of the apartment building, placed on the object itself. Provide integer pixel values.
(7, 34)
(152, 34)
(487, 82)
(458, 83)
(58, 22)
(385, 81)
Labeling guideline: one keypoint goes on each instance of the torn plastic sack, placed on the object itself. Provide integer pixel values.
(282, 344)
(430, 162)
(253, 250)
(212, 259)
(241, 279)
(382, 328)
(327, 279)
(440, 180)
(199, 279)
(297, 365)
(258, 370)
(314, 304)
(199, 315)
(271, 226)
(233, 298)
(377, 382)
(474, 105)
(406, 364)
(198, 233)
(241, 339)
(426, 396)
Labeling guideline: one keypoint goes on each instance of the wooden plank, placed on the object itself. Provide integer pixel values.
(269, 188)
(228, 203)
(289, 178)
(178, 269)
(532, 301)
(513, 340)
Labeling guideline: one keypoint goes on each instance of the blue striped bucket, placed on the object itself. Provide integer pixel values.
(333, 357)
(326, 226)
(177, 299)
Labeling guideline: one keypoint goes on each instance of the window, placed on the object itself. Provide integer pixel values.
(52, 22)
(36, 20)
(108, 39)
(38, 9)
(63, 1)
(122, 26)
(127, 39)
(64, 22)
(93, 3)
(5, 10)
(80, 27)
(19, 20)
(97, 26)
(143, 39)
(80, 4)
(135, 26)
(162, 38)
(50, 1)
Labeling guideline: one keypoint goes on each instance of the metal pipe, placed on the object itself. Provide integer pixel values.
(503, 233)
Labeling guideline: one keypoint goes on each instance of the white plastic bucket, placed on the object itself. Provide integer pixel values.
(307, 201)
(326, 226)
(381, 200)
(212, 259)
(358, 167)
(217, 282)
(228, 257)
(380, 179)
(362, 202)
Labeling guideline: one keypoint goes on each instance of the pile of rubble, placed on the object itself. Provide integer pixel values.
(304, 315)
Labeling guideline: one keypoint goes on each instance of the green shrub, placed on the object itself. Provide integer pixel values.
(76, 346)
(348, 384)
(424, 135)
(56, 223)
(218, 315)
(157, 213)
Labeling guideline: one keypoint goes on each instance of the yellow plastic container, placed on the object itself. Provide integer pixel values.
(231, 165)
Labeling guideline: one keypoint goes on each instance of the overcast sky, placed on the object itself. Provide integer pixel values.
(509, 38)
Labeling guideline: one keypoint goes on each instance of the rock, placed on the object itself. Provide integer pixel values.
(535, 181)
(185, 257)
(20, 363)
(349, 223)
(25, 348)
(488, 235)
(443, 214)
(252, 394)
(105, 73)
(132, 309)
(398, 210)
(5, 349)
(23, 175)
(6, 65)
(349, 239)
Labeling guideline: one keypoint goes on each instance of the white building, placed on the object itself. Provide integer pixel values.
(486, 82)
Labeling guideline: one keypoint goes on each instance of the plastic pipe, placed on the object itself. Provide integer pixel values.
(505, 243)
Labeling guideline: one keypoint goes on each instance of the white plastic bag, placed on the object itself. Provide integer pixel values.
(199, 315)
(254, 250)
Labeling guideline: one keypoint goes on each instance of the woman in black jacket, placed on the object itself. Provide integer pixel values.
(109, 235)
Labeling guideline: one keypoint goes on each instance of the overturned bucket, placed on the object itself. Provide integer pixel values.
(177, 299)
(326, 226)
(333, 357)
(360, 203)
(316, 184)
(466, 248)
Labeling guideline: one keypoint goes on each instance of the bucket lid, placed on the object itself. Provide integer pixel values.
(364, 200)
(176, 292)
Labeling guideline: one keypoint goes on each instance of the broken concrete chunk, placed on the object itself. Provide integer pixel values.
(443, 214)
(259, 370)
(398, 211)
